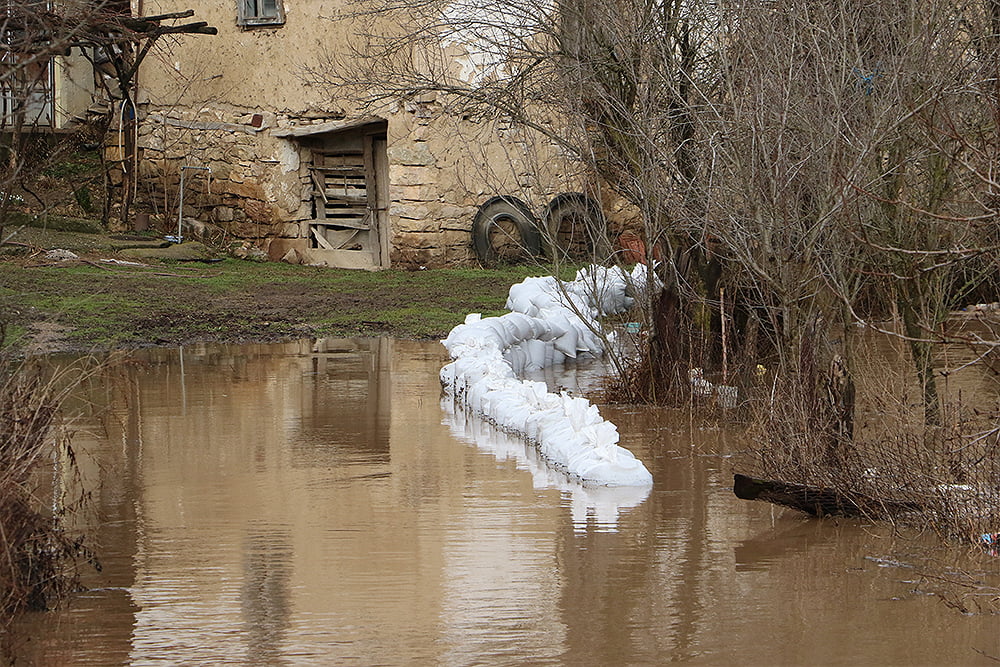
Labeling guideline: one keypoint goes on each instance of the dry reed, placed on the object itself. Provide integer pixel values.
(39, 558)
(944, 478)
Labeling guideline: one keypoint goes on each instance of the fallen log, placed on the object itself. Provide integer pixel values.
(819, 501)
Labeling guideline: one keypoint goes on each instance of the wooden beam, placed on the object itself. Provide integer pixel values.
(173, 15)
(320, 239)
(819, 501)
(361, 224)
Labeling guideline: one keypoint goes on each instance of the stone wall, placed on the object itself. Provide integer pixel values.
(254, 189)
(259, 189)
(216, 101)
(442, 169)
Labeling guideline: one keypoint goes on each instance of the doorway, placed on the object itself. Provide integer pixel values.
(348, 173)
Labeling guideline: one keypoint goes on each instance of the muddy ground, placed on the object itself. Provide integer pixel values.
(119, 293)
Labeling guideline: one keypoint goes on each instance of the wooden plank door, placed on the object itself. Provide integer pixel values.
(350, 198)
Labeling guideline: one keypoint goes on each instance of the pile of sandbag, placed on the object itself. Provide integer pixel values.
(550, 321)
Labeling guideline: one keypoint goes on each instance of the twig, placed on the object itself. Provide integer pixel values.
(985, 654)
(12, 235)
(87, 261)
(119, 262)
(181, 275)
(722, 312)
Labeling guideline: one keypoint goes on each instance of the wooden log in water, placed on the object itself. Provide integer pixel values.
(818, 501)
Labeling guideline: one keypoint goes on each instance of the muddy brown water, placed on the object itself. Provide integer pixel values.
(318, 503)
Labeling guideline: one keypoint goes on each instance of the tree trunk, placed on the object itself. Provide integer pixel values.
(922, 352)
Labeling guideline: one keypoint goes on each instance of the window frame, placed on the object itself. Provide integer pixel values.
(257, 20)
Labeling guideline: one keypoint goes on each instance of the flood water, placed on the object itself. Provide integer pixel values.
(318, 503)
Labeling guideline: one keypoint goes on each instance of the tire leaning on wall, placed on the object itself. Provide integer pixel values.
(575, 226)
(505, 230)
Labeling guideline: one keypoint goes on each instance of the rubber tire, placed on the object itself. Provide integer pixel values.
(505, 208)
(583, 207)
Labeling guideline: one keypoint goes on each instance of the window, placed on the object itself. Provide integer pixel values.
(260, 12)
(26, 62)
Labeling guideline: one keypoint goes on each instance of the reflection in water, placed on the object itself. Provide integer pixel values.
(345, 380)
(788, 540)
(266, 596)
(183, 383)
(316, 503)
(597, 506)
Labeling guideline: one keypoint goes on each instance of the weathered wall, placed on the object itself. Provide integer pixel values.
(215, 100)
(74, 87)
(442, 169)
(254, 187)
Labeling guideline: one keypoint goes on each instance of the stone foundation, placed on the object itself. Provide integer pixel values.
(260, 188)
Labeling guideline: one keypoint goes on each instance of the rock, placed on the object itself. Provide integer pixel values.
(126, 243)
(189, 251)
(406, 175)
(416, 154)
(193, 227)
(61, 255)
(223, 214)
(248, 251)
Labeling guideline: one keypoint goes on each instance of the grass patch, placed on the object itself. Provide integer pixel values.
(59, 223)
(75, 165)
(13, 337)
(235, 300)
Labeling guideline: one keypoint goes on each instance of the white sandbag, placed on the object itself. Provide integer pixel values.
(549, 322)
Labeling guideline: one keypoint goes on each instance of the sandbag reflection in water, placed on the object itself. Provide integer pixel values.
(599, 505)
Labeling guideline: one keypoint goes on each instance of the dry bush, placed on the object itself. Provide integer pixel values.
(945, 479)
(38, 558)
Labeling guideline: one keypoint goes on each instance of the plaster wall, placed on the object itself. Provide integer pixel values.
(216, 101)
(74, 87)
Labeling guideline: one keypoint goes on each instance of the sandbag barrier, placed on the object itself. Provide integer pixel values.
(550, 321)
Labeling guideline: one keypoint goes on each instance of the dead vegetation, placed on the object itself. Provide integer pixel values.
(881, 454)
(39, 558)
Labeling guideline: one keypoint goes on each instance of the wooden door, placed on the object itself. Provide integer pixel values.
(348, 229)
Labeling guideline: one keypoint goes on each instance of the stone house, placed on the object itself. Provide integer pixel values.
(46, 93)
(306, 176)
(54, 93)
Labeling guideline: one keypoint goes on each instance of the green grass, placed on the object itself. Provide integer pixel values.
(13, 336)
(75, 165)
(60, 223)
(235, 300)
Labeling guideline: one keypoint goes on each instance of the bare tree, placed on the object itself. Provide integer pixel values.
(35, 34)
(121, 43)
(619, 86)
(854, 186)
(821, 164)
(31, 37)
